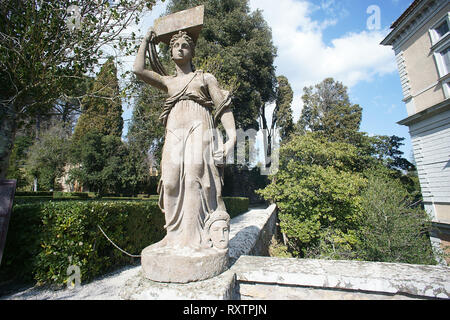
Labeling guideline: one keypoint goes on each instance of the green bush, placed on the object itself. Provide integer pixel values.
(34, 193)
(61, 194)
(392, 229)
(236, 205)
(44, 238)
(317, 193)
(22, 243)
(31, 199)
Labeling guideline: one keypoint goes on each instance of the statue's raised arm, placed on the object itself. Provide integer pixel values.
(149, 76)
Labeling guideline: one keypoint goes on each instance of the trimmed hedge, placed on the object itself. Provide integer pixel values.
(34, 193)
(44, 235)
(236, 205)
(60, 194)
(22, 243)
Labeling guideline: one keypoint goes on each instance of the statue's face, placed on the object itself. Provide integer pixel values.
(181, 50)
(219, 233)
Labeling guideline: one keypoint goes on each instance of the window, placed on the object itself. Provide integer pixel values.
(442, 57)
(440, 45)
(447, 89)
(445, 56)
(440, 30)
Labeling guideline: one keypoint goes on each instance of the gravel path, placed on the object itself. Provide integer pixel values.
(105, 288)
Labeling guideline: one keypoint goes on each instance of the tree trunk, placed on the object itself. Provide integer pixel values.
(8, 128)
(267, 139)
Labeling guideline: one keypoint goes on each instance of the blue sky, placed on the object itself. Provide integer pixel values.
(331, 38)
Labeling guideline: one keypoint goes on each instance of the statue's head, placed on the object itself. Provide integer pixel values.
(217, 226)
(182, 47)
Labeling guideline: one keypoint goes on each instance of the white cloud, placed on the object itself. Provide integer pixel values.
(305, 59)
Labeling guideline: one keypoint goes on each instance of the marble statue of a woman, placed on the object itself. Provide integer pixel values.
(190, 185)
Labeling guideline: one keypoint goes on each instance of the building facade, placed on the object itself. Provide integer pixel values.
(420, 38)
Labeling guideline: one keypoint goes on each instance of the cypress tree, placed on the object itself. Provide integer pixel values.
(102, 107)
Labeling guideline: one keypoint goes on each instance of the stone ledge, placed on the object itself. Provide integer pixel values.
(419, 281)
(250, 233)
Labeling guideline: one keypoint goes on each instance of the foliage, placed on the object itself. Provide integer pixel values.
(387, 150)
(316, 189)
(327, 110)
(17, 161)
(145, 135)
(22, 243)
(60, 194)
(102, 107)
(100, 160)
(43, 236)
(47, 157)
(240, 181)
(43, 58)
(279, 250)
(282, 115)
(392, 228)
(236, 205)
(34, 193)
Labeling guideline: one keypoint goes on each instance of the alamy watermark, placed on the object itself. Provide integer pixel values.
(73, 20)
(74, 275)
(194, 146)
(374, 20)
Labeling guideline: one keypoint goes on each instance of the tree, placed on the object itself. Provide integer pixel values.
(17, 161)
(145, 138)
(393, 228)
(44, 52)
(282, 114)
(328, 112)
(145, 131)
(47, 157)
(99, 162)
(387, 150)
(281, 118)
(317, 192)
(102, 108)
(327, 109)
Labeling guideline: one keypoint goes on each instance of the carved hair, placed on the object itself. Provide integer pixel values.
(216, 216)
(185, 36)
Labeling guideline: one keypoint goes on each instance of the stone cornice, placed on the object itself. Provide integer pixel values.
(411, 23)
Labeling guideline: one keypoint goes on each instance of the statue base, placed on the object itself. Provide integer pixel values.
(182, 265)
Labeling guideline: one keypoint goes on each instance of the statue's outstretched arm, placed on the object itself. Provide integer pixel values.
(148, 76)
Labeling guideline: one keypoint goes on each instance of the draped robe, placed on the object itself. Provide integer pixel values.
(191, 184)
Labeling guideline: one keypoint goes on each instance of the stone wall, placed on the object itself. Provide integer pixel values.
(287, 278)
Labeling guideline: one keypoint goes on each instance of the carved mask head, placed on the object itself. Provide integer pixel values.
(218, 226)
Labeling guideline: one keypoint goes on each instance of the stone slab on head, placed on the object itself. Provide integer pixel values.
(190, 21)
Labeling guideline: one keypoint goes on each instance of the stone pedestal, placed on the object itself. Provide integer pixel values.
(182, 265)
